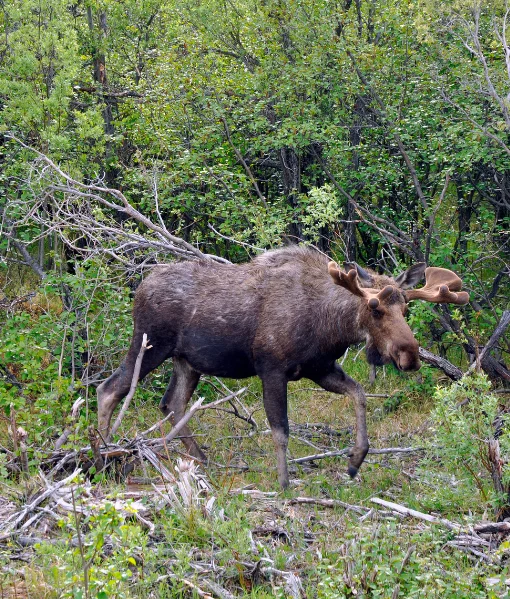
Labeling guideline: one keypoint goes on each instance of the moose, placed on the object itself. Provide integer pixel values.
(288, 314)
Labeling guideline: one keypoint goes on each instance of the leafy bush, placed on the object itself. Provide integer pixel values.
(52, 346)
(467, 419)
(386, 560)
(104, 562)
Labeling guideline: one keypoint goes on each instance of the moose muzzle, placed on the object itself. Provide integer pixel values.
(406, 357)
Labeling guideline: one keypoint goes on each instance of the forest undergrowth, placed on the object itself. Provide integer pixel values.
(226, 530)
(141, 132)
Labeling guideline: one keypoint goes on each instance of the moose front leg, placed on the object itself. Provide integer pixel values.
(336, 381)
(275, 404)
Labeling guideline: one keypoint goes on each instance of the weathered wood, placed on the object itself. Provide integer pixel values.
(189, 414)
(13, 521)
(492, 527)
(331, 503)
(134, 382)
(346, 450)
(498, 332)
(442, 363)
(402, 509)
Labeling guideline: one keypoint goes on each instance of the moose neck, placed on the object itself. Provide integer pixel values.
(345, 318)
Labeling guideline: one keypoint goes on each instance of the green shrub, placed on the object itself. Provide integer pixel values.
(467, 418)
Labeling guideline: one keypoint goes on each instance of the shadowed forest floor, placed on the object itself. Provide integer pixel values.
(226, 530)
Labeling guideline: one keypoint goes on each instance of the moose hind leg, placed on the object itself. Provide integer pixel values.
(182, 385)
(275, 405)
(336, 381)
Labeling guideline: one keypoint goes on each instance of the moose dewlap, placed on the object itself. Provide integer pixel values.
(285, 315)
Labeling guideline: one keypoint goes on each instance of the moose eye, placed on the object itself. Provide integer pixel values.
(377, 314)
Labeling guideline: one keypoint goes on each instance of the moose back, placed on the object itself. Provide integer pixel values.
(285, 315)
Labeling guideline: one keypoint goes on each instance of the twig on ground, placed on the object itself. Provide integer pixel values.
(329, 503)
(345, 451)
(320, 390)
(401, 509)
(13, 521)
(492, 527)
(74, 415)
(218, 590)
(483, 556)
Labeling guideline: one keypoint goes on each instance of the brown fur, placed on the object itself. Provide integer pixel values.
(280, 317)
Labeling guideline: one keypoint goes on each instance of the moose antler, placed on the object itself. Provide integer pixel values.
(350, 282)
(440, 287)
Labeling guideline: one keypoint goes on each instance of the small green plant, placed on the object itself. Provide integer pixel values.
(104, 557)
(388, 560)
(468, 423)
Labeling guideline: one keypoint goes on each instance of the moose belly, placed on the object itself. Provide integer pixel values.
(218, 355)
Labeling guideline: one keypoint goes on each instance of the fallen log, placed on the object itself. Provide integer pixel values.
(402, 509)
(331, 503)
(346, 450)
(443, 364)
(492, 527)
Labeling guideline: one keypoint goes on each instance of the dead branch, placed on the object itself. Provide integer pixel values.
(467, 549)
(389, 231)
(139, 448)
(194, 587)
(218, 590)
(492, 528)
(498, 332)
(332, 503)
(156, 462)
(156, 426)
(76, 211)
(186, 418)
(320, 390)
(12, 522)
(344, 452)
(401, 509)
(134, 382)
(442, 363)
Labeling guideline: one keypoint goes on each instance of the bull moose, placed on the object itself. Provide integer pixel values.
(287, 314)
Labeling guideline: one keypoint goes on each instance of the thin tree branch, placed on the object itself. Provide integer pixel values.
(134, 382)
(239, 157)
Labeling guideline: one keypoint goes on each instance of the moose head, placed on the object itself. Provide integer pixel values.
(389, 338)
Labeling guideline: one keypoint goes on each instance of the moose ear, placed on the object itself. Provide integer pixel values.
(412, 276)
(364, 276)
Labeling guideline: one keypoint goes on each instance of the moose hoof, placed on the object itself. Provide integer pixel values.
(352, 471)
